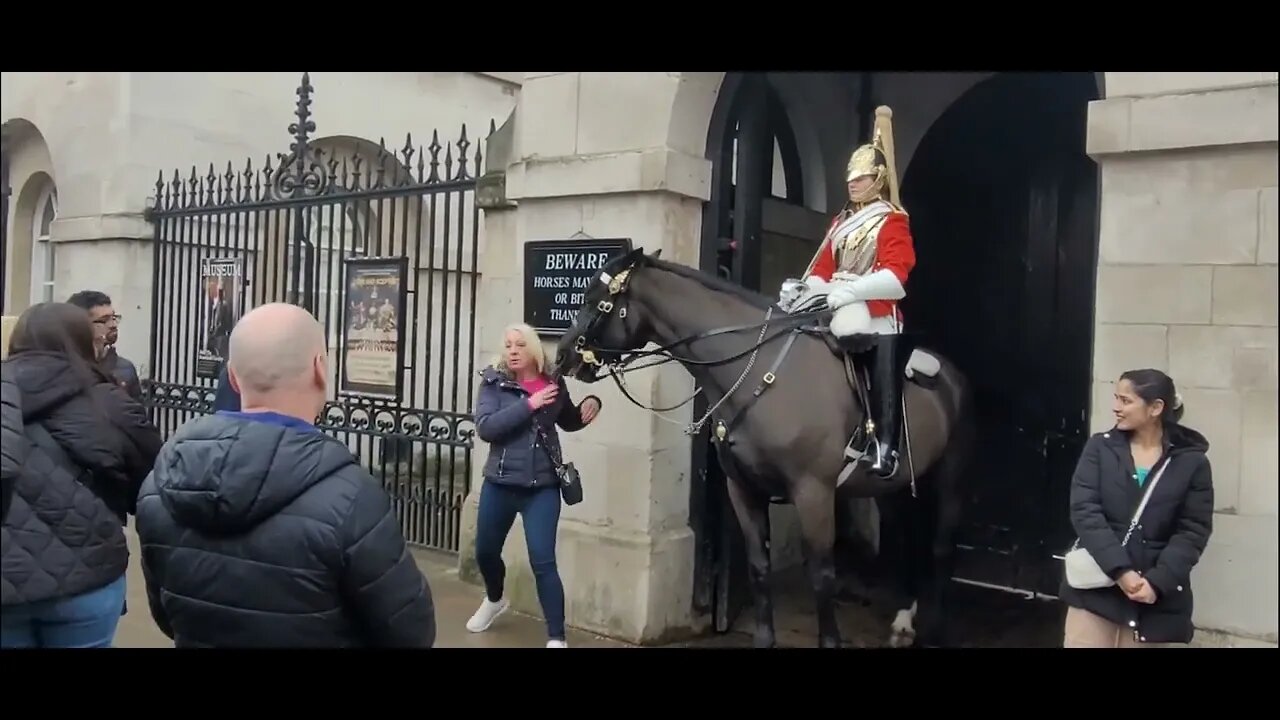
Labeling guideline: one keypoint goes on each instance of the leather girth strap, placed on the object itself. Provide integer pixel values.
(723, 430)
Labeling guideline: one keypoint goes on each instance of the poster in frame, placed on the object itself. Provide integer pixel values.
(222, 301)
(373, 323)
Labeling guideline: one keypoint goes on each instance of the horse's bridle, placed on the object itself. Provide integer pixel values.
(617, 285)
(616, 363)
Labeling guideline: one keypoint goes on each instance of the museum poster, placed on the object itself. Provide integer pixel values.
(221, 298)
(373, 327)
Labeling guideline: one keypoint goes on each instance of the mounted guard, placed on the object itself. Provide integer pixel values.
(861, 269)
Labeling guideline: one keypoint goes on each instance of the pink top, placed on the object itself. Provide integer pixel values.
(533, 386)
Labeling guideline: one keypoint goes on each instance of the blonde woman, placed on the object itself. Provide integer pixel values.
(517, 398)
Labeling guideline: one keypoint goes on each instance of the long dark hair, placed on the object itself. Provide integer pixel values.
(59, 328)
(1152, 385)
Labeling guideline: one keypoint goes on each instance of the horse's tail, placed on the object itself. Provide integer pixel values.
(962, 420)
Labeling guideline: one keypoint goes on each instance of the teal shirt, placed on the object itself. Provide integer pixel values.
(1142, 476)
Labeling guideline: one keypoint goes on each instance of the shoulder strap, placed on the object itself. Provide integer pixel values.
(546, 445)
(1151, 486)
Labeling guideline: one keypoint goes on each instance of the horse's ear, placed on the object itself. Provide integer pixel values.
(656, 254)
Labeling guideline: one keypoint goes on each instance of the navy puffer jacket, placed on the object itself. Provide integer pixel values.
(261, 534)
(505, 421)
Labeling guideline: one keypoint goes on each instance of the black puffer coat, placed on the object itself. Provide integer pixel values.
(63, 536)
(13, 444)
(267, 533)
(1166, 544)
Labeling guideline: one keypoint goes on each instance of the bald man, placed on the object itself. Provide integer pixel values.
(258, 530)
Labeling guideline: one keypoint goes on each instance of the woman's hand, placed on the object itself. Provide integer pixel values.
(1144, 594)
(1130, 582)
(590, 408)
(543, 397)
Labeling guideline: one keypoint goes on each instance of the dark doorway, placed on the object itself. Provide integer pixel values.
(755, 164)
(1003, 203)
(1004, 208)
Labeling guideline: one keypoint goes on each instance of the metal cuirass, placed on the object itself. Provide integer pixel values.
(854, 238)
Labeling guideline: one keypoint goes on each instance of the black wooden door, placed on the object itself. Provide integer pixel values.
(1003, 205)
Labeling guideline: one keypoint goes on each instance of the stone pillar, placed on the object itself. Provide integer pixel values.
(497, 303)
(598, 154)
(112, 254)
(1187, 283)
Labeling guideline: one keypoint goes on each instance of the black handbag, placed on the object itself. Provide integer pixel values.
(570, 481)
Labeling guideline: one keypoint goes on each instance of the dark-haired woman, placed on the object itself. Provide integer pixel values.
(1147, 453)
(89, 447)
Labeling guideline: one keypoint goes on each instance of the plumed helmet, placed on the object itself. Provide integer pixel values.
(876, 159)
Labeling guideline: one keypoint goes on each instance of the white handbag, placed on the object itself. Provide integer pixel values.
(1083, 572)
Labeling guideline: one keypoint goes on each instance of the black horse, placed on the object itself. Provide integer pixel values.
(783, 408)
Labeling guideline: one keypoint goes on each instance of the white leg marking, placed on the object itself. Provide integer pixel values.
(902, 633)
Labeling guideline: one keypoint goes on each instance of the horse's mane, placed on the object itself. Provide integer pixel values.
(712, 282)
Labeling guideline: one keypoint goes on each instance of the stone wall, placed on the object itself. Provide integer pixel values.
(1187, 283)
(103, 137)
(591, 154)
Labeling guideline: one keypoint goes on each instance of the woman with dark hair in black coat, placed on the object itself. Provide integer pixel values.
(1144, 595)
(13, 447)
(88, 448)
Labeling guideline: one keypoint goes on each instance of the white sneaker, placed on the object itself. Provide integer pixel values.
(557, 644)
(488, 612)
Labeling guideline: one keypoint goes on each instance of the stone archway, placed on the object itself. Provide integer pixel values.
(920, 103)
(30, 171)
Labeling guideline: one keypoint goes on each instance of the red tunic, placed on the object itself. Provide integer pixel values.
(895, 252)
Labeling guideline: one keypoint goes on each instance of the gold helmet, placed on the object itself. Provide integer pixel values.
(876, 159)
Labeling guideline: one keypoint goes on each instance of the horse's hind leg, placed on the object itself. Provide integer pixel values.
(815, 503)
(900, 554)
(948, 506)
(753, 517)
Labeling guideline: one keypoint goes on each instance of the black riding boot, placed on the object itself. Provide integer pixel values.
(888, 365)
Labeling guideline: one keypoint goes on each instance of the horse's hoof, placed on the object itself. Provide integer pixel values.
(829, 642)
(764, 642)
(902, 637)
(902, 632)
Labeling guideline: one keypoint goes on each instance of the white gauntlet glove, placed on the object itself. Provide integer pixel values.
(842, 294)
(879, 285)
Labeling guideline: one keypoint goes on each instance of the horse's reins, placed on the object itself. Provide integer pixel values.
(617, 286)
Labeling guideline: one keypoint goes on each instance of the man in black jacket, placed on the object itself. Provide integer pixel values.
(106, 333)
(258, 530)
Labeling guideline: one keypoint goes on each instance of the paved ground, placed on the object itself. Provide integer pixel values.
(455, 601)
(984, 619)
(977, 617)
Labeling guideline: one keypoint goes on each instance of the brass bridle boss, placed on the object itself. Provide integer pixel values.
(617, 285)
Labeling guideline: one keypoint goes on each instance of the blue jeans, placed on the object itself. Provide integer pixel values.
(540, 510)
(87, 620)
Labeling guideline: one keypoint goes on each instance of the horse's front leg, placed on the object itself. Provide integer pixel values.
(753, 517)
(815, 503)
